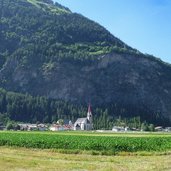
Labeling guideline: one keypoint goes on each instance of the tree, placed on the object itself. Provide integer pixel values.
(144, 126)
(60, 122)
(9, 126)
(151, 127)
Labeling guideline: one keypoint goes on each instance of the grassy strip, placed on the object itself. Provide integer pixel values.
(36, 160)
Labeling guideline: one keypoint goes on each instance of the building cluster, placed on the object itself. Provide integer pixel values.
(127, 129)
(80, 124)
(161, 129)
(33, 127)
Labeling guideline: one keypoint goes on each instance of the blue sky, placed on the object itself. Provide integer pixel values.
(142, 24)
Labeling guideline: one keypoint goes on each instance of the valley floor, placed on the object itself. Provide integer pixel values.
(21, 159)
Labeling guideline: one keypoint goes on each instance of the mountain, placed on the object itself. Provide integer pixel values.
(47, 50)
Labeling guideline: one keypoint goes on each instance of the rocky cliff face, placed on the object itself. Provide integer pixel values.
(134, 82)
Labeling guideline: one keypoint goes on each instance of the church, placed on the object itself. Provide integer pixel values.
(85, 123)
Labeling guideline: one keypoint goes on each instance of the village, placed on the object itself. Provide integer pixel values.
(81, 124)
(61, 125)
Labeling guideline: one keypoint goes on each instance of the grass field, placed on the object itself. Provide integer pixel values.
(74, 151)
(22, 159)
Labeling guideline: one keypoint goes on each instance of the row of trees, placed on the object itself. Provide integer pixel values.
(134, 123)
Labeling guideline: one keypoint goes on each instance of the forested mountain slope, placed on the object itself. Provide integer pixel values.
(47, 50)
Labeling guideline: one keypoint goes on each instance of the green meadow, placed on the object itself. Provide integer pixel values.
(88, 151)
(23, 159)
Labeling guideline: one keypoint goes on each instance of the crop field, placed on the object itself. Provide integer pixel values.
(90, 143)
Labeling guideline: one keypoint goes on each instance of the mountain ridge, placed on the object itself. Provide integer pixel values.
(64, 55)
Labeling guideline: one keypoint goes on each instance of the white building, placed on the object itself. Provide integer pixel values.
(118, 129)
(56, 127)
(84, 123)
(168, 129)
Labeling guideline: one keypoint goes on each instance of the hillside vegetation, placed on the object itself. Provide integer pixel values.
(46, 50)
(29, 109)
(37, 30)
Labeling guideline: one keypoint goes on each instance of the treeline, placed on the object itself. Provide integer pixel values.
(26, 108)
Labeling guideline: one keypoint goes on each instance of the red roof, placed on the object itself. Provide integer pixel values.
(89, 108)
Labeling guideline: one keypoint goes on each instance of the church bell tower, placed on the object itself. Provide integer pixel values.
(89, 114)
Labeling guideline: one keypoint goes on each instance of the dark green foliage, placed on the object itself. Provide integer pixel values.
(147, 127)
(12, 126)
(26, 108)
(37, 35)
(103, 144)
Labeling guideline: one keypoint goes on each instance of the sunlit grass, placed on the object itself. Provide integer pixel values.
(16, 159)
(49, 7)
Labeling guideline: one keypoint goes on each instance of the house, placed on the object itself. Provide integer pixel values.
(42, 127)
(167, 129)
(84, 123)
(118, 129)
(158, 128)
(56, 127)
(33, 127)
(23, 127)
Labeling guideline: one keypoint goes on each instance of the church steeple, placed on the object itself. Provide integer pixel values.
(89, 114)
